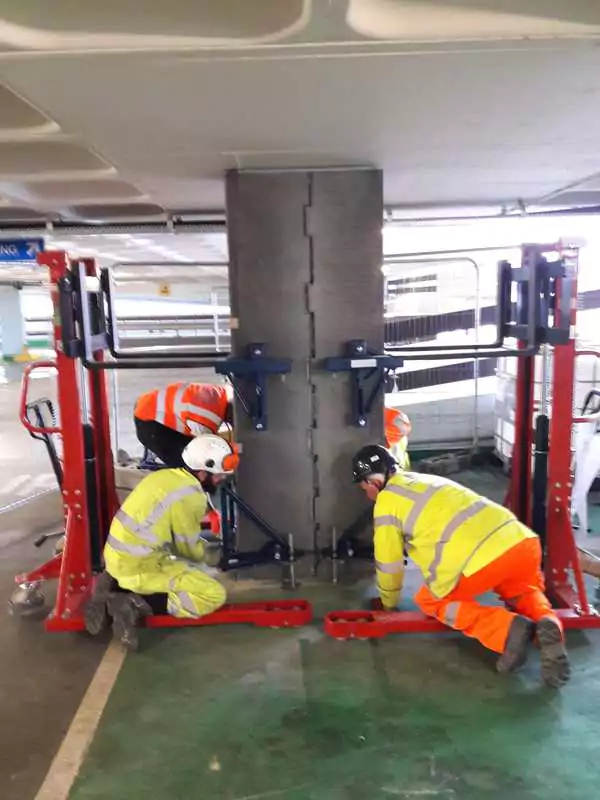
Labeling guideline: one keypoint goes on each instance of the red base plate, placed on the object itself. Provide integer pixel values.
(375, 624)
(267, 614)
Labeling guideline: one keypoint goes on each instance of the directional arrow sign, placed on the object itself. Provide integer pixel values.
(12, 250)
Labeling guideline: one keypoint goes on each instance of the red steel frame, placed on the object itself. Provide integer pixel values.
(73, 566)
(561, 551)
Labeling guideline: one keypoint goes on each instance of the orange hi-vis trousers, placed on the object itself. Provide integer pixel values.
(515, 576)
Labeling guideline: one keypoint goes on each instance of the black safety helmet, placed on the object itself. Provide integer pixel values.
(374, 459)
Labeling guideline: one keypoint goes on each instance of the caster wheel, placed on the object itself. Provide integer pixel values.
(27, 600)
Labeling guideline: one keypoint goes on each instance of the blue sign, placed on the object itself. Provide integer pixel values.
(20, 249)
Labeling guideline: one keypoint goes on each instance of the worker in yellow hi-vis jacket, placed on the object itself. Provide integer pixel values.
(465, 545)
(156, 545)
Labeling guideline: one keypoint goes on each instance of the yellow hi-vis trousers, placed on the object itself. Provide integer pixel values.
(190, 591)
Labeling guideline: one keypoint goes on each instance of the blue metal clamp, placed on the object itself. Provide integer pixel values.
(252, 372)
(368, 371)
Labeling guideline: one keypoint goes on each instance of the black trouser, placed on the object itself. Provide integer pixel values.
(164, 442)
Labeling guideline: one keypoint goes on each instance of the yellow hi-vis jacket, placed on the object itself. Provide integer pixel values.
(445, 528)
(161, 518)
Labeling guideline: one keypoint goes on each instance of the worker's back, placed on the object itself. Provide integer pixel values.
(446, 527)
(180, 403)
(161, 515)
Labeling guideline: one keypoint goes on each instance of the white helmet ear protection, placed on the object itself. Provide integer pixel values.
(211, 453)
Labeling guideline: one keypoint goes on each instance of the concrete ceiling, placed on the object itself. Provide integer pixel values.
(108, 112)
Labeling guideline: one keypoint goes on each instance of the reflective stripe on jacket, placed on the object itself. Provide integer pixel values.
(180, 403)
(161, 518)
(445, 528)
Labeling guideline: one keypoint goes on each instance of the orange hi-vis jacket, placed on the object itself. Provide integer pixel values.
(397, 425)
(185, 407)
(397, 430)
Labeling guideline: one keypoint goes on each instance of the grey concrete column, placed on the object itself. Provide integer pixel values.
(305, 277)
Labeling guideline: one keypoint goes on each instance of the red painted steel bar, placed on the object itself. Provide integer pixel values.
(376, 624)
(25, 421)
(48, 571)
(561, 550)
(268, 614)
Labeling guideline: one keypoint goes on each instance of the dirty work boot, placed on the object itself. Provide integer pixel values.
(95, 613)
(128, 610)
(556, 669)
(517, 643)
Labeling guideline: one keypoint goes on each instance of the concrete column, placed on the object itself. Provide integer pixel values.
(305, 276)
(11, 321)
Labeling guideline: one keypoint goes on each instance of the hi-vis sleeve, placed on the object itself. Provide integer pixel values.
(186, 521)
(389, 558)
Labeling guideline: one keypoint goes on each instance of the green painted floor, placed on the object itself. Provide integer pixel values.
(245, 714)
(241, 714)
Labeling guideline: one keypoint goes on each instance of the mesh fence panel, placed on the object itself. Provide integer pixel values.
(587, 377)
(436, 303)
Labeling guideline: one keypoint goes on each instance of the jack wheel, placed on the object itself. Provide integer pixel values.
(27, 600)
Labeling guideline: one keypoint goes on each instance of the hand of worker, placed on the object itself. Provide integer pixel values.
(375, 604)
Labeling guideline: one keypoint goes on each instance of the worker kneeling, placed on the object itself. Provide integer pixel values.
(465, 545)
(155, 544)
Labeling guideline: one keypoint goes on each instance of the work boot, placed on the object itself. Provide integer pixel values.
(128, 610)
(95, 613)
(556, 669)
(519, 636)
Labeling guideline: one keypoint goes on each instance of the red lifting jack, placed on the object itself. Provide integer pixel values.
(84, 463)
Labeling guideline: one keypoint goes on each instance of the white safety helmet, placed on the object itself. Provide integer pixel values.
(210, 453)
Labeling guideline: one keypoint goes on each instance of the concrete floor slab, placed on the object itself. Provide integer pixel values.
(242, 714)
(43, 678)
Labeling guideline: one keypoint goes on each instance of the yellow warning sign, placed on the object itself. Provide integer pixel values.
(164, 289)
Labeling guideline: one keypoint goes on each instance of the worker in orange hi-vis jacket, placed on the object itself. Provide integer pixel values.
(397, 431)
(166, 420)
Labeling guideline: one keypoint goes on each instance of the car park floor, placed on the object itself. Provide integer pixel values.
(242, 713)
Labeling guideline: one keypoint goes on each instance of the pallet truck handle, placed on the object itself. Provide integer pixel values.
(25, 421)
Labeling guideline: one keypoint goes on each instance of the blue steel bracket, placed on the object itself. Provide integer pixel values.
(368, 372)
(249, 378)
